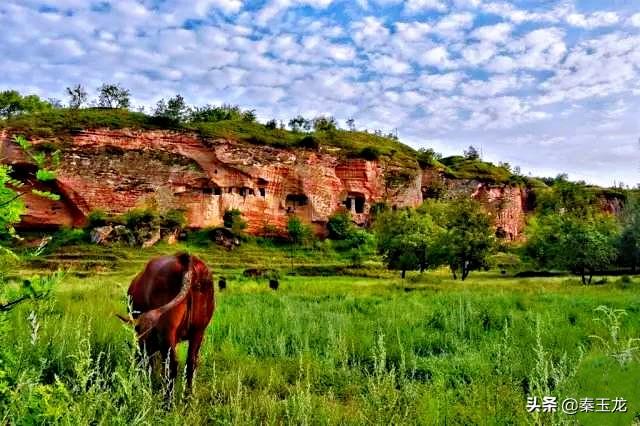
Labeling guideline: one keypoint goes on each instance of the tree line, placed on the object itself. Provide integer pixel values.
(173, 111)
(569, 231)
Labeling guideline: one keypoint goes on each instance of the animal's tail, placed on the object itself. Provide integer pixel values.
(149, 320)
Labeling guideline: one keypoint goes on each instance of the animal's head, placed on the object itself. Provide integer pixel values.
(143, 324)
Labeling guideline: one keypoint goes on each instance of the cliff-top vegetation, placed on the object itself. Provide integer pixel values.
(32, 116)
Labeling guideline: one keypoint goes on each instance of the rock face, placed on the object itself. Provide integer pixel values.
(117, 170)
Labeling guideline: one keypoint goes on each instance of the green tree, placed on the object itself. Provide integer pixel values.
(212, 114)
(629, 242)
(359, 245)
(113, 96)
(298, 231)
(405, 239)
(472, 153)
(427, 157)
(77, 96)
(175, 110)
(324, 124)
(299, 123)
(582, 245)
(12, 103)
(469, 239)
(566, 197)
(340, 226)
(232, 219)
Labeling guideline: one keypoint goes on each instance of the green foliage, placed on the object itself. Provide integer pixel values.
(456, 233)
(324, 124)
(77, 96)
(472, 153)
(469, 238)
(213, 114)
(11, 207)
(113, 96)
(406, 240)
(173, 111)
(97, 218)
(139, 217)
(298, 231)
(582, 245)
(370, 153)
(232, 219)
(460, 167)
(299, 123)
(566, 196)
(427, 157)
(359, 246)
(61, 122)
(308, 141)
(340, 226)
(173, 219)
(271, 124)
(13, 104)
(629, 241)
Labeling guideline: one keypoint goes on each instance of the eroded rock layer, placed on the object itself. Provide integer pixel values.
(117, 170)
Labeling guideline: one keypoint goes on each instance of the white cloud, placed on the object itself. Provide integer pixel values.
(437, 57)
(498, 33)
(444, 82)
(570, 78)
(453, 25)
(388, 65)
(413, 6)
(596, 19)
(370, 32)
(412, 31)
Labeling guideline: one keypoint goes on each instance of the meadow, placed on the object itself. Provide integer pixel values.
(353, 346)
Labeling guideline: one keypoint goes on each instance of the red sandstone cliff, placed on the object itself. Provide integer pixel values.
(116, 170)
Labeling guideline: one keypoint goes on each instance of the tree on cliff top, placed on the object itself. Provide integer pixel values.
(12, 103)
(77, 96)
(113, 96)
(174, 110)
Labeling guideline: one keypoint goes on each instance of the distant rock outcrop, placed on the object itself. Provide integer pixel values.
(117, 170)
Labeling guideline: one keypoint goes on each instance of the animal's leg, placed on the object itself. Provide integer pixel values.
(192, 357)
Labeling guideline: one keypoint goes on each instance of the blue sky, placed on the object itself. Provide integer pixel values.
(549, 85)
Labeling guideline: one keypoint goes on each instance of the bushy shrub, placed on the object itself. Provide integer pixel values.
(173, 219)
(97, 218)
(69, 236)
(370, 153)
(136, 218)
(232, 219)
(309, 142)
(339, 226)
(298, 231)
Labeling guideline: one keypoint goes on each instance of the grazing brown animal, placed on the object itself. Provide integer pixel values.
(172, 301)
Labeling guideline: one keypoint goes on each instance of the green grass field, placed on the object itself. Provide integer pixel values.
(362, 348)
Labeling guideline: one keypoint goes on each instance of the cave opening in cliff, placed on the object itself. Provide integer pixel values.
(296, 200)
(211, 190)
(263, 192)
(355, 202)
